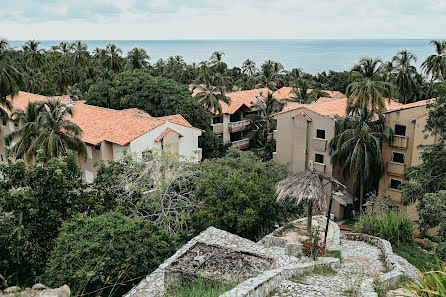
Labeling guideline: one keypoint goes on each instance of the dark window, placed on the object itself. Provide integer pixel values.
(3, 122)
(395, 184)
(1, 158)
(235, 136)
(397, 157)
(320, 134)
(319, 158)
(16, 125)
(400, 130)
(217, 120)
(236, 117)
(97, 147)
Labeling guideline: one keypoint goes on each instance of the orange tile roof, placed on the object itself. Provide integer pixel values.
(419, 117)
(240, 98)
(303, 114)
(158, 139)
(332, 109)
(413, 105)
(284, 93)
(104, 124)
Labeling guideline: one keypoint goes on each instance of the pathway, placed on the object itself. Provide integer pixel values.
(359, 260)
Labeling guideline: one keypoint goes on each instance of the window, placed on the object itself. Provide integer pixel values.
(320, 134)
(89, 176)
(395, 184)
(97, 147)
(89, 152)
(1, 158)
(3, 122)
(397, 157)
(318, 158)
(217, 120)
(400, 130)
(16, 125)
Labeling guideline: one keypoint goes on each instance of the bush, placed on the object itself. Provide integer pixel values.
(432, 283)
(394, 227)
(91, 253)
(313, 247)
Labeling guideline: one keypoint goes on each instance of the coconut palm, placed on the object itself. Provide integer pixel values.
(80, 54)
(57, 134)
(249, 67)
(435, 65)
(33, 55)
(211, 93)
(405, 74)
(10, 79)
(111, 58)
(367, 67)
(263, 123)
(356, 146)
(138, 59)
(306, 186)
(64, 48)
(302, 93)
(270, 75)
(26, 134)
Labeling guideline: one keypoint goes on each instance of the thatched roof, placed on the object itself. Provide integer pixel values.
(306, 185)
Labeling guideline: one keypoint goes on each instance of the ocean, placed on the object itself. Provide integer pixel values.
(312, 55)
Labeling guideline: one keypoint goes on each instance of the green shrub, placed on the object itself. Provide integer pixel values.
(394, 227)
(91, 253)
(201, 287)
(432, 283)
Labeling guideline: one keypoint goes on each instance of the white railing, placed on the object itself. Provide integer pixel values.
(239, 123)
(240, 142)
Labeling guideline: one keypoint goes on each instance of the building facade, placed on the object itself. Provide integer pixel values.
(107, 133)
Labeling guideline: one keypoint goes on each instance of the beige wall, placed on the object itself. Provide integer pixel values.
(170, 142)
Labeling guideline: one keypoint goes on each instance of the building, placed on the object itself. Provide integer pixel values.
(232, 125)
(408, 123)
(107, 133)
(303, 134)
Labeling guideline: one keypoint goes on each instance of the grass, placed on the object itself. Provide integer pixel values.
(333, 254)
(319, 270)
(351, 292)
(285, 229)
(378, 286)
(349, 222)
(201, 287)
(421, 259)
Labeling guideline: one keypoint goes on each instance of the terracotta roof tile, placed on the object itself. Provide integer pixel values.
(103, 124)
(284, 93)
(413, 105)
(158, 139)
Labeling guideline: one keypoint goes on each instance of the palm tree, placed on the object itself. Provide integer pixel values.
(270, 75)
(263, 123)
(435, 65)
(27, 133)
(216, 61)
(306, 186)
(10, 79)
(367, 68)
(112, 59)
(302, 93)
(80, 54)
(33, 55)
(249, 67)
(356, 146)
(57, 134)
(211, 93)
(138, 59)
(64, 48)
(405, 74)
(63, 77)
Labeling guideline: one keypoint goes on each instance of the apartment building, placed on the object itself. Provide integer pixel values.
(303, 134)
(408, 123)
(232, 125)
(107, 133)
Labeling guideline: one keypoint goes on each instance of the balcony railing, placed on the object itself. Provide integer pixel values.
(319, 167)
(242, 143)
(217, 128)
(239, 125)
(320, 144)
(400, 141)
(395, 168)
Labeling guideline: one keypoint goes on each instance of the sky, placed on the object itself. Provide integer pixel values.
(220, 19)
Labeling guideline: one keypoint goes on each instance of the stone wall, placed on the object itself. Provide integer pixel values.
(38, 290)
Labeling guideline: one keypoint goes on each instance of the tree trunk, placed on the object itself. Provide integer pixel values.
(309, 217)
(361, 194)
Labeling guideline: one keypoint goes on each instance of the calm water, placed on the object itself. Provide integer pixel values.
(313, 55)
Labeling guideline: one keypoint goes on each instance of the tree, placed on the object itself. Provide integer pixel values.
(302, 93)
(270, 75)
(34, 201)
(10, 79)
(210, 93)
(111, 58)
(27, 133)
(405, 75)
(80, 54)
(249, 67)
(356, 146)
(33, 55)
(138, 59)
(435, 65)
(305, 186)
(57, 134)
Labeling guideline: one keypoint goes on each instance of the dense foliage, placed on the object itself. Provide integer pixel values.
(394, 227)
(92, 253)
(34, 201)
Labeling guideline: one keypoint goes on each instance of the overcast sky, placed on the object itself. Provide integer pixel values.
(221, 19)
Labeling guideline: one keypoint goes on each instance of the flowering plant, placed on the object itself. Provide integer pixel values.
(313, 247)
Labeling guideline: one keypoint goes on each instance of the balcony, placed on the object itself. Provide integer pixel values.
(320, 144)
(400, 141)
(217, 128)
(395, 194)
(241, 144)
(238, 126)
(319, 167)
(394, 168)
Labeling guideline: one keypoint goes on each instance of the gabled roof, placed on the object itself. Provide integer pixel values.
(159, 138)
(104, 124)
(304, 115)
(284, 93)
(413, 105)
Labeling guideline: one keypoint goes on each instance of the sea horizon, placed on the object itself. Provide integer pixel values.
(312, 55)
